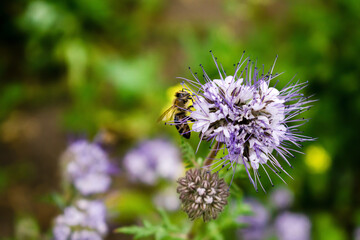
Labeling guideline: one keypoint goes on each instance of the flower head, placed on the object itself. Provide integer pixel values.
(167, 199)
(202, 194)
(256, 223)
(249, 116)
(153, 160)
(84, 220)
(292, 226)
(282, 198)
(87, 167)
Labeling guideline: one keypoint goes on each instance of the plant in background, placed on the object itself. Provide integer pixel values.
(153, 160)
(256, 224)
(85, 166)
(292, 226)
(83, 220)
(282, 198)
(357, 233)
(167, 199)
(274, 219)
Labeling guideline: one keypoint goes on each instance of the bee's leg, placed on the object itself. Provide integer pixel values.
(190, 118)
(176, 119)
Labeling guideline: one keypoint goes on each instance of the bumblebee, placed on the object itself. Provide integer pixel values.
(178, 112)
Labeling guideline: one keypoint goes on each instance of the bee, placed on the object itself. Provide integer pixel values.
(178, 112)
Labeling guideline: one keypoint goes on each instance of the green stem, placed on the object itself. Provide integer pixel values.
(214, 150)
(196, 225)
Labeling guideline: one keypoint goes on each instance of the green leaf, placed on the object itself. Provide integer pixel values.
(227, 220)
(188, 153)
(137, 231)
(164, 217)
(164, 230)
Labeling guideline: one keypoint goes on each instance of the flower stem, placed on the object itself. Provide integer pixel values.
(196, 225)
(214, 150)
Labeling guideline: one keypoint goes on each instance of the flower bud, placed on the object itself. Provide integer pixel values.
(202, 194)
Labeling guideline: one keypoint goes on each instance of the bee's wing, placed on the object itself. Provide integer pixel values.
(168, 114)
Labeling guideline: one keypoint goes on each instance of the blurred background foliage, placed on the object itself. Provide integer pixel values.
(75, 68)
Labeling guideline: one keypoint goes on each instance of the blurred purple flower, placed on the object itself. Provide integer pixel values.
(167, 199)
(249, 117)
(292, 226)
(357, 233)
(282, 198)
(152, 160)
(87, 167)
(256, 228)
(83, 221)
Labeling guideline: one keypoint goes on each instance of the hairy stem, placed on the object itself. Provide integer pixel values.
(214, 150)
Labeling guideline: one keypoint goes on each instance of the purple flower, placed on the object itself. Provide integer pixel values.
(282, 198)
(87, 167)
(249, 117)
(83, 221)
(357, 233)
(152, 160)
(256, 223)
(292, 226)
(167, 199)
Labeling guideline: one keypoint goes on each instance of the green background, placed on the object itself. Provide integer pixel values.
(71, 68)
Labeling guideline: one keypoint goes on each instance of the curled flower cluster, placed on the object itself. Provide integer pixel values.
(153, 160)
(247, 115)
(84, 220)
(202, 194)
(87, 167)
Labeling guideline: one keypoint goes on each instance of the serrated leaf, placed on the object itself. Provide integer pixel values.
(146, 223)
(188, 153)
(137, 231)
(160, 234)
(164, 230)
(129, 230)
(165, 218)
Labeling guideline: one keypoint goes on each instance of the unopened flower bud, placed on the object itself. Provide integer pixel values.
(202, 194)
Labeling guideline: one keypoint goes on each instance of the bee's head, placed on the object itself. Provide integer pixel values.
(182, 94)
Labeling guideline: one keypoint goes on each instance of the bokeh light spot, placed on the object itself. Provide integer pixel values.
(317, 159)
